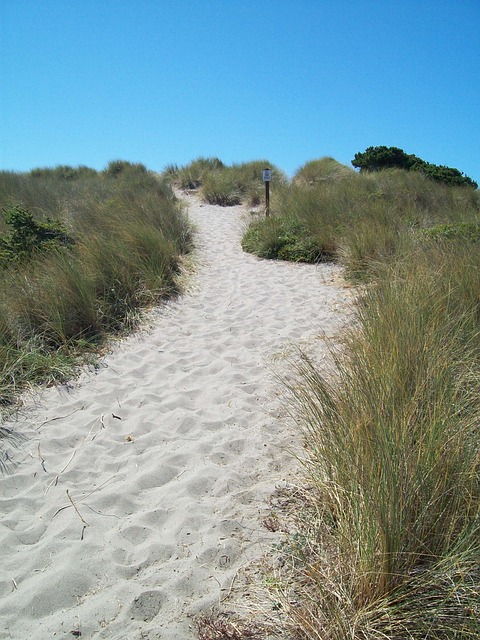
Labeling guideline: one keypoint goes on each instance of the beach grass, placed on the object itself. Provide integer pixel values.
(387, 540)
(225, 185)
(387, 543)
(355, 219)
(321, 170)
(127, 234)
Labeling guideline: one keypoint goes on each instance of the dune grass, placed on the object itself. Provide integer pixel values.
(322, 170)
(192, 175)
(388, 542)
(127, 236)
(357, 220)
(224, 185)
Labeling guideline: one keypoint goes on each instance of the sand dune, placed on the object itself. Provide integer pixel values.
(141, 488)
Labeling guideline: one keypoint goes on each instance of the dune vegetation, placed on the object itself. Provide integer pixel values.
(387, 534)
(358, 220)
(224, 185)
(387, 541)
(81, 253)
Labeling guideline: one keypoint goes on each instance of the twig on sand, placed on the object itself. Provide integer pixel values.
(60, 417)
(226, 595)
(101, 428)
(108, 515)
(69, 461)
(83, 498)
(42, 459)
(55, 479)
(78, 512)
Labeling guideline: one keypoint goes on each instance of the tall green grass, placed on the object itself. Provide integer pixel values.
(192, 175)
(129, 234)
(391, 545)
(329, 212)
(224, 185)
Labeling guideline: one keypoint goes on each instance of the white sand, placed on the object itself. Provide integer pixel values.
(169, 453)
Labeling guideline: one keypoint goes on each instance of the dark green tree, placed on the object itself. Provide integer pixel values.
(378, 158)
(448, 175)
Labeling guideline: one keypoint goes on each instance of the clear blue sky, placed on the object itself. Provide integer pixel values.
(165, 81)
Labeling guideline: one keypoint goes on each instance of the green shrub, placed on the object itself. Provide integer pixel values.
(447, 175)
(29, 236)
(461, 230)
(379, 158)
(285, 239)
(264, 238)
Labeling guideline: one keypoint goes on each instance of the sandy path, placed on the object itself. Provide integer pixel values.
(169, 453)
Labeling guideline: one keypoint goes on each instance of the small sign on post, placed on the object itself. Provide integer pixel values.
(267, 176)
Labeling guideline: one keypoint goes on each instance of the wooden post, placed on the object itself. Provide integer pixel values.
(267, 176)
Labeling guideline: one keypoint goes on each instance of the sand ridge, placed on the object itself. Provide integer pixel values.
(141, 489)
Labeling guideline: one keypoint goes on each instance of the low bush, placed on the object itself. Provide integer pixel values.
(460, 230)
(285, 239)
(381, 158)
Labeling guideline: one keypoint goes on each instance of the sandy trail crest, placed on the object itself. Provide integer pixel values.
(140, 491)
